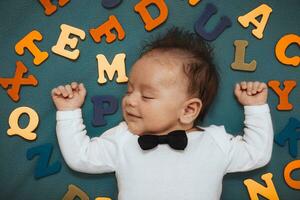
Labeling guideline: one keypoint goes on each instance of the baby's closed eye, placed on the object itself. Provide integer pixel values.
(147, 97)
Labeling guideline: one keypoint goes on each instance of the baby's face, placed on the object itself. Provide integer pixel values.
(157, 89)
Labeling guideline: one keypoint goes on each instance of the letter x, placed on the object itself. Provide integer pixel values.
(17, 81)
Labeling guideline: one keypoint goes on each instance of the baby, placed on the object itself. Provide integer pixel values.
(159, 152)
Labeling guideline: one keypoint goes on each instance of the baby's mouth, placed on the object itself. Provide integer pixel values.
(132, 115)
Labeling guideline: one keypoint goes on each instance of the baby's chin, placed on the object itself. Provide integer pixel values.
(135, 130)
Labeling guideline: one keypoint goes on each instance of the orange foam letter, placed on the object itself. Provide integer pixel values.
(28, 42)
(193, 2)
(17, 81)
(105, 29)
(50, 8)
(287, 174)
(263, 10)
(255, 188)
(281, 47)
(283, 94)
(151, 23)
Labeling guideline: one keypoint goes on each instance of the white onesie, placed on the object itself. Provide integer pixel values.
(163, 173)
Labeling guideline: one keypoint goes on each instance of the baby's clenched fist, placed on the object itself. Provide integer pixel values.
(69, 97)
(251, 93)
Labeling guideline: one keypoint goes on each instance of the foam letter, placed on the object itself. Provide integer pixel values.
(291, 134)
(42, 168)
(239, 61)
(74, 192)
(283, 94)
(289, 168)
(209, 11)
(193, 2)
(106, 28)
(28, 43)
(17, 81)
(263, 10)
(108, 4)
(281, 47)
(15, 129)
(64, 40)
(50, 8)
(100, 109)
(255, 188)
(118, 65)
(103, 198)
(150, 23)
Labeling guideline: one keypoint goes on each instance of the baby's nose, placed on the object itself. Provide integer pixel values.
(132, 100)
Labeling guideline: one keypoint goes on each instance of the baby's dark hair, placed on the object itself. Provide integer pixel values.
(203, 77)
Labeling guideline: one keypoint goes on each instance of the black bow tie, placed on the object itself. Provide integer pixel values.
(176, 139)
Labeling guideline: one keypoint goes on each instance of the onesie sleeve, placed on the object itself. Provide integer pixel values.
(254, 148)
(82, 153)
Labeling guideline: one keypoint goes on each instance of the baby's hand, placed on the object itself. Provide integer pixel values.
(68, 97)
(251, 93)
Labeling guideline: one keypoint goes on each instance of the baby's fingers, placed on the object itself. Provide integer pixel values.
(69, 90)
(82, 90)
(262, 86)
(74, 85)
(63, 91)
(238, 89)
(249, 87)
(255, 87)
(55, 92)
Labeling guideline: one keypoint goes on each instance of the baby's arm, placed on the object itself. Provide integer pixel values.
(96, 155)
(254, 148)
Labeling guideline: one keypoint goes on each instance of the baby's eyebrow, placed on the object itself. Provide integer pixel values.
(149, 87)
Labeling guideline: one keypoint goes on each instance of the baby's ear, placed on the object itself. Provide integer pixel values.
(191, 110)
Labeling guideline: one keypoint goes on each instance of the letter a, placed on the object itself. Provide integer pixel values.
(263, 10)
(255, 188)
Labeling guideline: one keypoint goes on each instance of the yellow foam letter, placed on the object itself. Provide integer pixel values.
(255, 188)
(239, 61)
(64, 40)
(28, 43)
(263, 10)
(118, 65)
(14, 125)
(281, 47)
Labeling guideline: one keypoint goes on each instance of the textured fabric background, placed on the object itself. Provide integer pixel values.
(19, 17)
